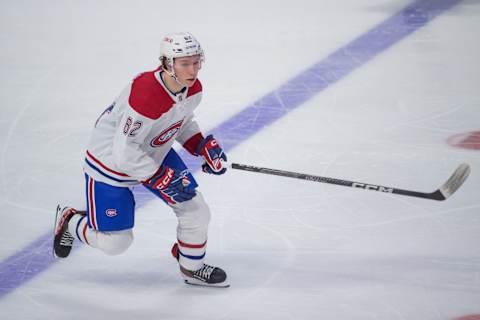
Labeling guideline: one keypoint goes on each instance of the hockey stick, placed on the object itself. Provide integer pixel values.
(445, 191)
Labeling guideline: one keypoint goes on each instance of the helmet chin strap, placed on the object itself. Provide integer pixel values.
(173, 75)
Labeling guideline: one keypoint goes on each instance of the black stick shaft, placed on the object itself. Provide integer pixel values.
(436, 195)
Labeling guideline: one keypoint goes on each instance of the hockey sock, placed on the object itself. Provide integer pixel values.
(190, 255)
(78, 227)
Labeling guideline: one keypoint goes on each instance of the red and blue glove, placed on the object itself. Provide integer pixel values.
(172, 186)
(213, 155)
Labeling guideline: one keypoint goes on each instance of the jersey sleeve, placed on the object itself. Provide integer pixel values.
(190, 135)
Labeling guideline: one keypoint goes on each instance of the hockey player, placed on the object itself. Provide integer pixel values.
(132, 144)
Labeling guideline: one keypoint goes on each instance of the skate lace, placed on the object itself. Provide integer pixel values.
(66, 239)
(205, 272)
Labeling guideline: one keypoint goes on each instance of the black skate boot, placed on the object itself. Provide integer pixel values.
(63, 241)
(207, 275)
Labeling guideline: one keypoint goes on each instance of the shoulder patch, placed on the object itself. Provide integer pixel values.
(148, 97)
(196, 88)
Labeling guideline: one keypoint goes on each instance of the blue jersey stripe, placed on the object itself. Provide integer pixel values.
(106, 175)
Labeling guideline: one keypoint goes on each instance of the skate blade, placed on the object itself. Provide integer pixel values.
(59, 210)
(195, 282)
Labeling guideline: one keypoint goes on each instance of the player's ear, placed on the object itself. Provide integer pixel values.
(164, 64)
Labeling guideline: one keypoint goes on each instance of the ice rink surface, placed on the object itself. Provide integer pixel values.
(406, 116)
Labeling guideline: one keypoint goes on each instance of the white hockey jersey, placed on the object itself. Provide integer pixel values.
(132, 136)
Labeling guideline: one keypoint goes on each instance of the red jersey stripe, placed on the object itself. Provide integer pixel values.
(91, 197)
(105, 167)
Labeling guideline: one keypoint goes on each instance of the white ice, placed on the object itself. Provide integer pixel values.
(292, 249)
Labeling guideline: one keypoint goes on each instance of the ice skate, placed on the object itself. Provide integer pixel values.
(208, 276)
(63, 240)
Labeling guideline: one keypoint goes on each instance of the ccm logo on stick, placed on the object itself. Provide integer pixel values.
(371, 187)
(166, 134)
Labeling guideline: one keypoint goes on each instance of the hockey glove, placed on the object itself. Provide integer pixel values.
(213, 154)
(171, 185)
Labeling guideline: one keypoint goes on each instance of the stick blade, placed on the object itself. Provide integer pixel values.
(455, 181)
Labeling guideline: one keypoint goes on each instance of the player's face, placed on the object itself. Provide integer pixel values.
(186, 69)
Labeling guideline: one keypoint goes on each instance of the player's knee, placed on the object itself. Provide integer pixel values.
(115, 243)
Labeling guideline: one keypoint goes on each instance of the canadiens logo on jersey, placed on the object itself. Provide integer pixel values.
(166, 134)
(111, 213)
